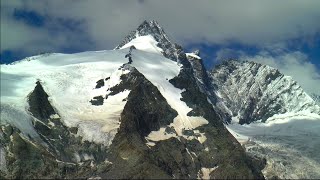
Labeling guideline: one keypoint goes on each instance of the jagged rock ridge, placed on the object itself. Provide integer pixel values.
(200, 73)
(171, 50)
(252, 91)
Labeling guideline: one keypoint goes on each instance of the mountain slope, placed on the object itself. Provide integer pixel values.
(252, 92)
(124, 113)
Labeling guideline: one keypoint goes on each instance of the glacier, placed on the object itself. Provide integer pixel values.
(69, 80)
(289, 142)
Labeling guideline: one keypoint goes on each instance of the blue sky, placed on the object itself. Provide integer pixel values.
(284, 34)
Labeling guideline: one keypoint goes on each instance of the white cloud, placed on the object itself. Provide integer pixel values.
(294, 64)
(227, 53)
(26, 39)
(248, 21)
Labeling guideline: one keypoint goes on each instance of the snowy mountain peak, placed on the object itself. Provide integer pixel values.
(196, 52)
(169, 49)
(251, 91)
(144, 43)
(146, 28)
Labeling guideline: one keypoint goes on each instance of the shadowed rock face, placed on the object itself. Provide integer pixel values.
(39, 104)
(147, 110)
(224, 150)
(203, 80)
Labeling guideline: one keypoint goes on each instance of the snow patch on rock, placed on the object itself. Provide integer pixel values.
(204, 173)
(193, 55)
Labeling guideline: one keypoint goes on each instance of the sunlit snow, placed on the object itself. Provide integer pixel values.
(70, 80)
(193, 55)
(144, 43)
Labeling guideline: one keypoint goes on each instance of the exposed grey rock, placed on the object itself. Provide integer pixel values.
(253, 91)
(202, 78)
(223, 148)
(316, 98)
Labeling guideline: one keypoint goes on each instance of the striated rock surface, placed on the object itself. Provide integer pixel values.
(252, 91)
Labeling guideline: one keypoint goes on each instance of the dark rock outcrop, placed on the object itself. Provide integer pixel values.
(97, 101)
(100, 83)
(39, 104)
(202, 78)
(146, 107)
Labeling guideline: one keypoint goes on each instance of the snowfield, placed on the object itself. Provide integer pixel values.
(70, 80)
(290, 143)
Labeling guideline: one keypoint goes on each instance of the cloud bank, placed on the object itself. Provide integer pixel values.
(105, 23)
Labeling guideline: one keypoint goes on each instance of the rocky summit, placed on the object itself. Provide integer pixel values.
(146, 109)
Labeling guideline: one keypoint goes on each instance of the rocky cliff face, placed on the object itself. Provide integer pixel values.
(180, 158)
(252, 91)
(199, 71)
